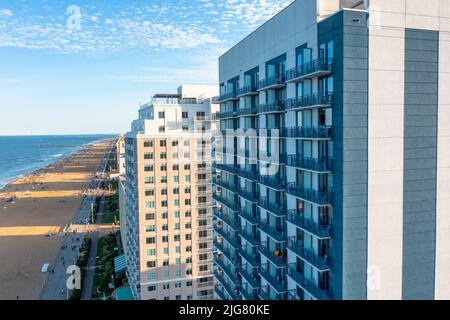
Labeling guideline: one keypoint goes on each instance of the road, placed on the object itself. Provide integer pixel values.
(55, 287)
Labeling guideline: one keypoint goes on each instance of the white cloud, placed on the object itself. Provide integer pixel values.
(6, 12)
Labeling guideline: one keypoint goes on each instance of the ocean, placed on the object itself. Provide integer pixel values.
(20, 155)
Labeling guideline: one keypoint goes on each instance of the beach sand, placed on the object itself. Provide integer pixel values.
(47, 200)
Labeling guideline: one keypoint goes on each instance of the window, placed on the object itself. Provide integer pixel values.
(188, 225)
(186, 143)
(148, 168)
(203, 267)
(176, 214)
(176, 191)
(166, 250)
(178, 284)
(150, 240)
(151, 264)
(164, 203)
(165, 227)
(149, 180)
(185, 115)
(161, 115)
(189, 297)
(150, 228)
(166, 274)
(176, 238)
(177, 297)
(164, 192)
(164, 215)
(177, 274)
(166, 286)
(177, 249)
(162, 129)
(189, 283)
(187, 178)
(176, 179)
(151, 276)
(187, 202)
(187, 167)
(201, 115)
(163, 155)
(151, 288)
(175, 143)
(178, 261)
(176, 202)
(148, 143)
(162, 143)
(150, 216)
(148, 156)
(165, 239)
(185, 128)
(150, 204)
(175, 167)
(187, 214)
(189, 272)
(149, 192)
(189, 260)
(151, 252)
(188, 249)
(187, 190)
(188, 236)
(164, 179)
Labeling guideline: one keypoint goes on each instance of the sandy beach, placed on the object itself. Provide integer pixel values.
(44, 202)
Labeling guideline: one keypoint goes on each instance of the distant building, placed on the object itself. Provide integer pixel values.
(168, 196)
(355, 94)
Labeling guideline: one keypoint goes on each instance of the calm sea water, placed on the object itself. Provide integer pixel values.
(20, 155)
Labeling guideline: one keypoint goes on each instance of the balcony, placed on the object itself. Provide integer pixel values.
(250, 217)
(226, 114)
(276, 209)
(277, 282)
(220, 292)
(323, 165)
(226, 167)
(271, 83)
(225, 184)
(264, 294)
(275, 257)
(227, 270)
(308, 255)
(253, 280)
(228, 203)
(252, 111)
(231, 289)
(232, 222)
(273, 232)
(248, 90)
(229, 96)
(250, 237)
(248, 174)
(309, 225)
(248, 292)
(231, 255)
(316, 100)
(312, 69)
(273, 182)
(252, 197)
(293, 295)
(251, 258)
(306, 284)
(271, 107)
(321, 198)
(226, 236)
(319, 132)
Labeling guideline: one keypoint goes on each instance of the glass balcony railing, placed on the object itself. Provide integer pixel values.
(310, 69)
(309, 225)
(225, 184)
(277, 258)
(252, 111)
(232, 205)
(227, 96)
(231, 289)
(319, 165)
(308, 255)
(232, 222)
(252, 278)
(249, 195)
(274, 232)
(277, 81)
(273, 182)
(227, 114)
(323, 198)
(249, 236)
(249, 216)
(293, 295)
(248, 292)
(230, 168)
(230, 254)
(220, 292)
(232, 274)
(231, 239)
(251, 258)
(319, 132)
(264, 294)
(278, 282)
(271, 107)
(307, 284)
(276, 209)
(248, 174)
(250, 89)
(315, 100)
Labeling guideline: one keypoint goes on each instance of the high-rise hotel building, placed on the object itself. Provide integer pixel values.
(168, 197)
(355, 98)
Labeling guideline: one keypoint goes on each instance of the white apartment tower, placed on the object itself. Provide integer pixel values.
(168, 196)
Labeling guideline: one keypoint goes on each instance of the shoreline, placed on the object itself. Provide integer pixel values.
(80, 148)
(31, 226)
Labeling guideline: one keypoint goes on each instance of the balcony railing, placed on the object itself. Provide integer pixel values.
(231, 255)
(227, 97)
(277, 209)
(322, 198)
(248, 111)
(319, 132)
(275, 233)
(233, 222)
(249, 196)
(248, 292)
(293, 295)
(231, 289)
(273, 182)
(226, 236)
(297, 246)
(250, 217)
(277, 282)
(220, 292)
(228, 270)
(312, 101)
(273, 82)
(251, 258)
(228, 203)
(272, 107)
(252, 279)
(226, 167)
(251, 237)
(307, 284)
(275, 257)
(250, 89)
(248, 174)
(310, 69)
(225, 184)
(263, 294)
(309, 225)
(226, 114)
(313, 164)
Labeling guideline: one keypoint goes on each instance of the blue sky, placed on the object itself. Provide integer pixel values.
(85, 66)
